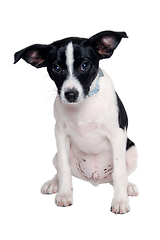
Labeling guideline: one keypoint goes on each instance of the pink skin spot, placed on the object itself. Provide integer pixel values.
(95, 176)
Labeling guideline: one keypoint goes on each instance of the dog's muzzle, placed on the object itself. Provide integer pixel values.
(71, 94)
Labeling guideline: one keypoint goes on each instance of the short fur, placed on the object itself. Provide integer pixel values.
(91, 132)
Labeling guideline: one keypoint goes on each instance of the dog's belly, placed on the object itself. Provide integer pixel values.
(95, 168)
(90, 152)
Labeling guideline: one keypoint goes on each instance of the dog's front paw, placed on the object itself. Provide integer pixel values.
(64, 199)
(120, 206)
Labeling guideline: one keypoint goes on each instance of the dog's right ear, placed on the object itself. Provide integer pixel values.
(34, 54)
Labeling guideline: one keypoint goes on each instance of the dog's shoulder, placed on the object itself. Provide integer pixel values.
(114, 100)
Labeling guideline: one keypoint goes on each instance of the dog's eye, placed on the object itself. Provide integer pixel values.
(85, 66)
(56, 68)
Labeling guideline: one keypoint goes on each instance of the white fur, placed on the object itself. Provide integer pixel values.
(71, 81)
(88, 133)
(70, 58)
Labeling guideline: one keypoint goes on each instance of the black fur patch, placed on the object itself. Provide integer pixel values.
(122, 115)
(129, 144)
(123, 120)
(82, 52)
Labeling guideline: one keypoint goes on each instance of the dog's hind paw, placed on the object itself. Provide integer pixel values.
(132, 190)
(51, 186)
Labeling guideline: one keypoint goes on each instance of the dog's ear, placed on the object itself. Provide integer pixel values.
(34, 54)
(104, 43)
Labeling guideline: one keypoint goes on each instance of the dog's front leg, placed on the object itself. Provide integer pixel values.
(64, 196)
(120, 203)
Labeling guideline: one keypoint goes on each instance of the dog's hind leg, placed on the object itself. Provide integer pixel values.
(131, 158)
(51, 186)
(131, 163)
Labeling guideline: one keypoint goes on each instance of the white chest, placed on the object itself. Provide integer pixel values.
(88, 123)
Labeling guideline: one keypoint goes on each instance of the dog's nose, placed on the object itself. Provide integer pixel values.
(71, 95)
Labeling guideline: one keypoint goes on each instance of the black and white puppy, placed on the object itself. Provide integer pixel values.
(91, 122)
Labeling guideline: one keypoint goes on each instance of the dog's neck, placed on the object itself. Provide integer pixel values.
(95, 85)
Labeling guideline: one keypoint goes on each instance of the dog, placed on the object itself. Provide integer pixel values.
(91, 121)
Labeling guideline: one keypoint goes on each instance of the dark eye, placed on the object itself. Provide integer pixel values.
(56, 68)
(85, 66)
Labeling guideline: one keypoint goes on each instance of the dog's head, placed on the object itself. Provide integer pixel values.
(72, 63)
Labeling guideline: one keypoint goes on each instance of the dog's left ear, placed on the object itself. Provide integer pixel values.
(104, 43)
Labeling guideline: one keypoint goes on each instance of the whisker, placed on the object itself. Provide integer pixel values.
(50, 99)
(44, 93)
(44, 77)
(52, 95)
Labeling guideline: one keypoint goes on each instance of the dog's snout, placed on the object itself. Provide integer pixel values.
(71, 95)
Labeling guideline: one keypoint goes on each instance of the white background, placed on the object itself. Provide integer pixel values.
(27, 124)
